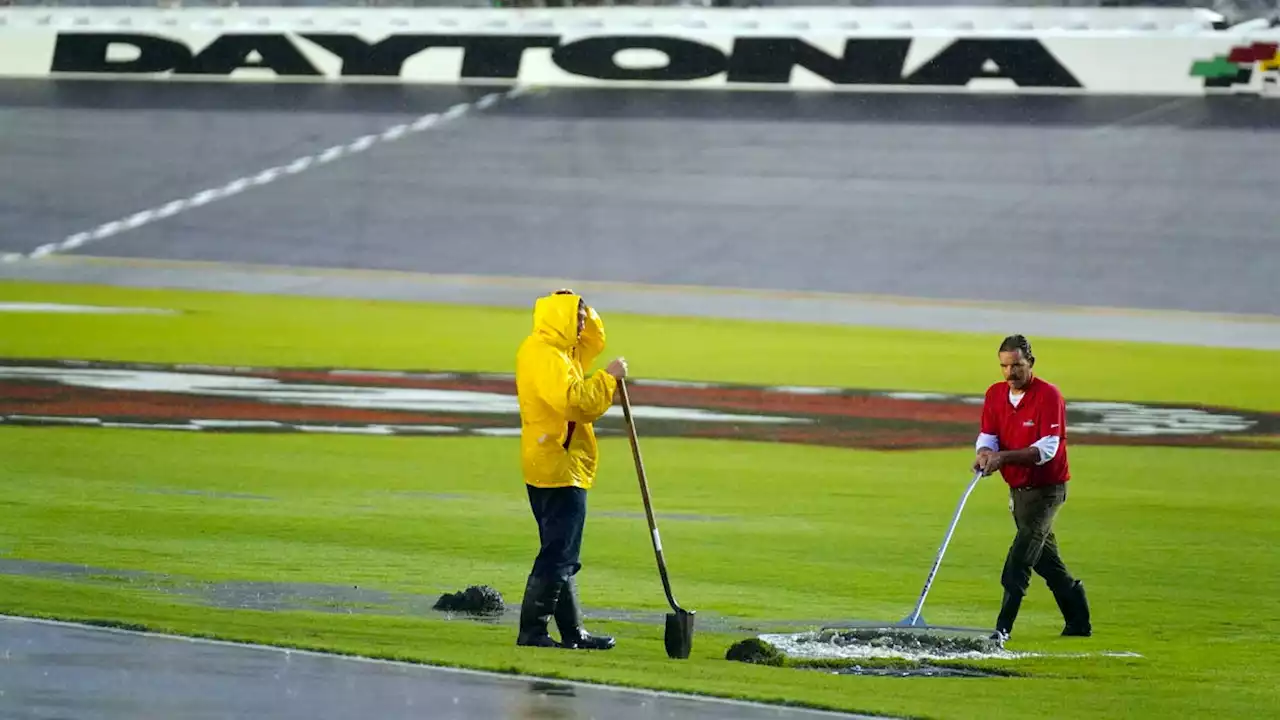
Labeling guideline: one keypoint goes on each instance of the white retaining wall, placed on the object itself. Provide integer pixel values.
(1146, 51)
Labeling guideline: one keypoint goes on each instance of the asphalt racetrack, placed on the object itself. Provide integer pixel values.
(1153, 204)
(1120, 202)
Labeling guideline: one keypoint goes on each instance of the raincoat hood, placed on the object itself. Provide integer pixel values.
(555, 319)
(560, 396)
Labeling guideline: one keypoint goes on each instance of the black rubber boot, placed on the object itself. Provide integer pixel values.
(1075, 611)
(536, 609)
(569, 621)
(1009, 607)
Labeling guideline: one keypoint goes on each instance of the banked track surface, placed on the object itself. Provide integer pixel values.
(1156, 203)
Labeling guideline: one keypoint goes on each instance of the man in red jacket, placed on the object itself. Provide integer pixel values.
(1024, 436)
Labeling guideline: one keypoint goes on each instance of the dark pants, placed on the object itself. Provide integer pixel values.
(551, 590)
(561, 514)
(1034, 546)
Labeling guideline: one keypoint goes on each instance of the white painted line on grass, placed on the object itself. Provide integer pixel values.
(147, 426)
(237, 424)
(346, 429)
(260, 178)
(805, 390)
(64, 308)
(498, 432)
(54, 419)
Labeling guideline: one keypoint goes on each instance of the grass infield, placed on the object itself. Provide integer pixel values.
(1175, 545)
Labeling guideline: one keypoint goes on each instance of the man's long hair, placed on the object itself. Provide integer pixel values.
(1018, 342)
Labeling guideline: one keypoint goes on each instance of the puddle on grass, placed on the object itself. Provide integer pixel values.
(66, 571)
(763, 651)
(843, 648)
(245, 595)
(788, 636)
(343, 599)
(868, 643)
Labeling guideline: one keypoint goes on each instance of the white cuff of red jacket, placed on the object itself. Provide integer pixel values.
(990, 442)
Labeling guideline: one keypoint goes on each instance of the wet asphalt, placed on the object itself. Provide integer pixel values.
(1118, 202)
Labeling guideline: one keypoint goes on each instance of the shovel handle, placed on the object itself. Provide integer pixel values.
(644, 493)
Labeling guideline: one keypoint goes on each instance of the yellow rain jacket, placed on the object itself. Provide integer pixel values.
(558, 402)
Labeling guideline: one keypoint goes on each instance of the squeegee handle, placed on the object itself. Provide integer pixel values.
(937, 561)
(644, 493)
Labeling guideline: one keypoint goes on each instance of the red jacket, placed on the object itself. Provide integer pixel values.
(1042, 412)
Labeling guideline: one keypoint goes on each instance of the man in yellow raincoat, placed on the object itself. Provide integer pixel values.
(559, 402)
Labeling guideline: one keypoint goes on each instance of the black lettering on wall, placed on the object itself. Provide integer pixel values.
(594, 57)
(486, 56)
(231, 52)
(1024, 61)
(87, 53)
(865, 62)
(499, 56)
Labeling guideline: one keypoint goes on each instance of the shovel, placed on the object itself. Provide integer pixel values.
(679, 633)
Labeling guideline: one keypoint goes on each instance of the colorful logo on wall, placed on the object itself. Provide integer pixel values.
(1236, 67)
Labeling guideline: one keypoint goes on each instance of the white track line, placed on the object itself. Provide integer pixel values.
(262, 177)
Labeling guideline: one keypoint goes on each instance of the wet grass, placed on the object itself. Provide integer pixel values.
(1178, 570)
(1175, 545)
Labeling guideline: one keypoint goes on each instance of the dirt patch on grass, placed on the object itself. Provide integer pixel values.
(478, 600)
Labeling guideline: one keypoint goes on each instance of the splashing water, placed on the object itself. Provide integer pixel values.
(888, 643)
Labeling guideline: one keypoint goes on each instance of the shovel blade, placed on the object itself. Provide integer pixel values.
(679, 634)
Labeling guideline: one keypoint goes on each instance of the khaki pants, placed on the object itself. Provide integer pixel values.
(1035, 547)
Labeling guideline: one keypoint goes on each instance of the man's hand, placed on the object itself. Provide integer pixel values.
(988, 461)
(617, 368)
(980, 462)
(992, 462)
